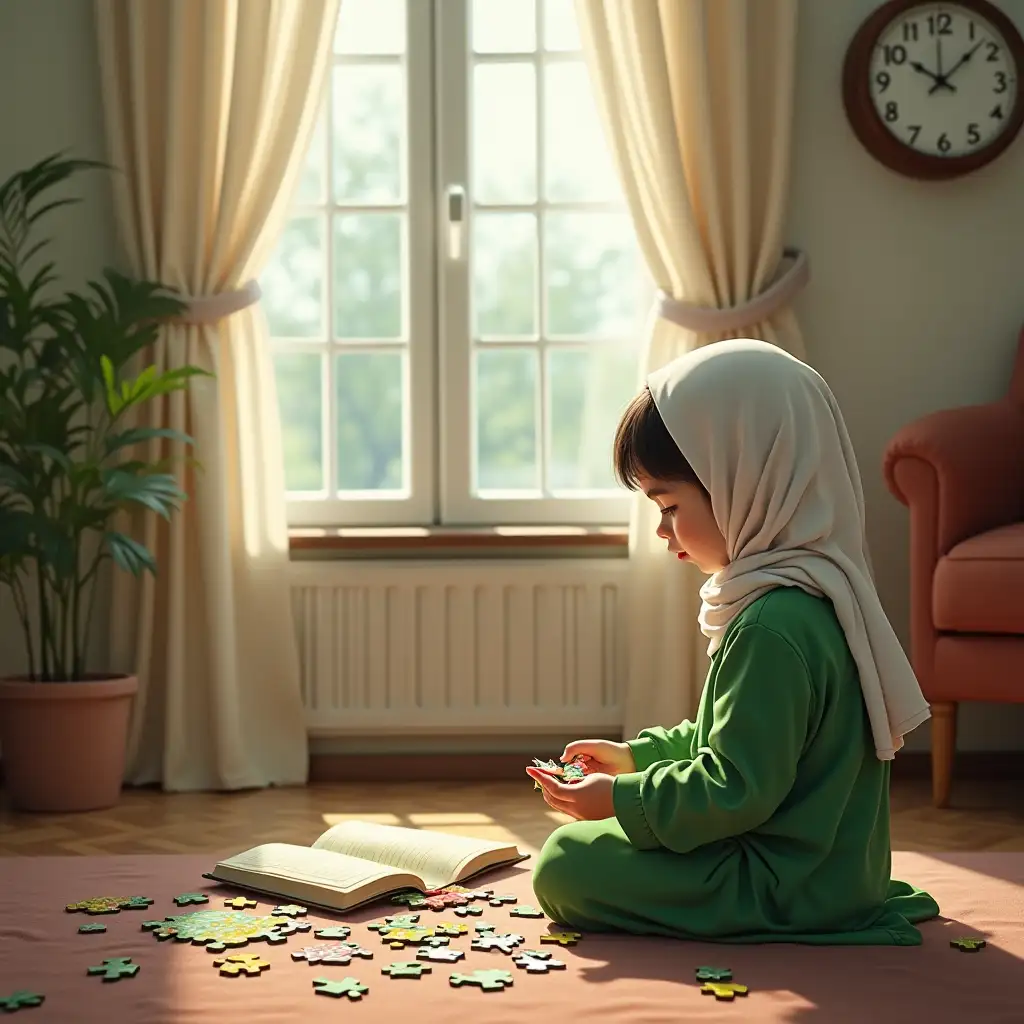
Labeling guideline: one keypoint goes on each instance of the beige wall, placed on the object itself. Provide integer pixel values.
(917, 291)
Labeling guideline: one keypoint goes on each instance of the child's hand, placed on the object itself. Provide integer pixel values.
(604, 756)
(589, 800)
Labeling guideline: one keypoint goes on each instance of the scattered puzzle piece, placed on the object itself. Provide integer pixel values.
(445, 901)
(505, 943)
(454, 929)
(488, 981)
(84, 929)
(460, 890)
(968, 945)
(562, 938)
(525, 911)
(396, 938)
(407, 969)
(345, 987)
(410, 899)
(434, 940)
(21, 1000)
(339, 931)
(537, 965)
(332, 953)
(115, 968)
(290, 910)
(239, 903)
(396, 921)
(724, 990)
(482, 928)
(220, 929)
(441, 954)
(188, 898)
(714, 974)
(469, 908)
(496, 901)
(109, 904)
(249, 964)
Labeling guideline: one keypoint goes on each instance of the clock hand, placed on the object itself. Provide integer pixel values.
(956, 67)
(921, 69)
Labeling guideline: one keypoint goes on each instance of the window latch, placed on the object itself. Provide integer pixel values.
(455, 203)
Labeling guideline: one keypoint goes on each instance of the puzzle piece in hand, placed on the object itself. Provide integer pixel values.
(443, 954)
(525, 911)
(496, 901)
(20, 1000)
(239, 903)
(396, 938)
(219, 929)
(407, 969)
(188, 898)
(331, 953)
(338, 931)
(488, 981)
(452, 928)
(723, 990)
(345, 987)
(469, 908)
(574, 770)
(505, 943)
(714, 974)
(84, 929)
(562, 938)
(115, 968)
(109, 904)
(968, 945)
(249, 964)
(290, 910)
(537, 965)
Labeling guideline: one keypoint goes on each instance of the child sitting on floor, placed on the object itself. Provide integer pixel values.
(767, 817)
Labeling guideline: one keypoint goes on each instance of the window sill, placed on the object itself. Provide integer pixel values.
(460, 542)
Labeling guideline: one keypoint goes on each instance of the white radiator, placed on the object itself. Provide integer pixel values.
(461, 647)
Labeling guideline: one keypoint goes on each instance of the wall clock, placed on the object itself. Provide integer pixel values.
(933, 90)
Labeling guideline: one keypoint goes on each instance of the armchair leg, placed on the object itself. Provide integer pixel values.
(943, 749)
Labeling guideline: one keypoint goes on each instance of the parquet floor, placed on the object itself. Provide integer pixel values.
(984, 816)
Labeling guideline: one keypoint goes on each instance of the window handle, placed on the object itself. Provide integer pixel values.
(455, 203)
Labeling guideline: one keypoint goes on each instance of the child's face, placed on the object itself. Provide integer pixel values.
(687, 523)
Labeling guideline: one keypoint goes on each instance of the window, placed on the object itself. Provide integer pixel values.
(457, 300)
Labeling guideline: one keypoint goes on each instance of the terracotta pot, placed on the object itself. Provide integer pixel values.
(63, 744)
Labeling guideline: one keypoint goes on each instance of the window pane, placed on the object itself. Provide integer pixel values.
(293, 281)
(561, 31)
(578, 166)
(368, 274)
(506, 420)
(588, 388)
(592, 279)
(311, 187)
(300, 400)
(370, 26)
(504, 26)
(369, 118)
(504, 133)
(369, 389)
(505, 275)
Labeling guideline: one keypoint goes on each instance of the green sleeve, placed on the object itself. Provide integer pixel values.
(658, 744)
(761, 695)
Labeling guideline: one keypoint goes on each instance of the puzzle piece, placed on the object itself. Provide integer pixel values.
(968, 945)
(20, 1000)
(488, 981)
(115, 968)
(410, 899)
(445, 901)
(442, 954)
(84, 929)
(525, 911)
(482, 928)
(714, 974)
(537, 965)
(331, 953)
(109, 904)
(496, 901)
(505, 943)
(452, 928)
(724, 990)
(239, 903)
(407, 969)
(345, 987)
(562, 938)
(469, 908)
(396, 938)
(290, 910)
(339, 931)
(460, 890)
(435, 940)
(249, 964)
(188, 898)
(219, 929)
(396, 921)
(574, 770)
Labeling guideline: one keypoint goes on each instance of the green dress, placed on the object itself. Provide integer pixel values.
(766, 820)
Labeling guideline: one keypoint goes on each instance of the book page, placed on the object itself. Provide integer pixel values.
(437, 857)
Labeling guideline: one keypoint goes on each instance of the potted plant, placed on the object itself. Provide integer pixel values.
(72, 459)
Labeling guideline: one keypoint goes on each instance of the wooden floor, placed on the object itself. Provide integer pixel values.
(984, 816)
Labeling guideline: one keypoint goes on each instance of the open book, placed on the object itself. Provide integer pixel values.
(357, 862)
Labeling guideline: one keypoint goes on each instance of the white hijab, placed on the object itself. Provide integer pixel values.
(764, 435)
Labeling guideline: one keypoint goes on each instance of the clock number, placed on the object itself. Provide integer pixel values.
(1000, 85)
(915, 130)
(993, 52)
(892, 112)
(943, 144)
(910, 31)
(996, 112)
(970, 31)
(883, 79)
(895, 54)
(973, 134)
(939, 24)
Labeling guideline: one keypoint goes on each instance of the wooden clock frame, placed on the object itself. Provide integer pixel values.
(872, 132)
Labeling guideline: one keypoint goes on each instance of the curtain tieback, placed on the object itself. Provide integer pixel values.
(209, 309)
(712, 320)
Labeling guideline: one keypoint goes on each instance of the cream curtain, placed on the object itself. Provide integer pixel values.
(209, 108)
(697, 98)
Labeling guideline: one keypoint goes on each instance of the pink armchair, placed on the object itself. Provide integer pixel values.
(961, 474)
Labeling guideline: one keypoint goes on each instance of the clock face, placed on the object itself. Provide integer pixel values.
(943, 80)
